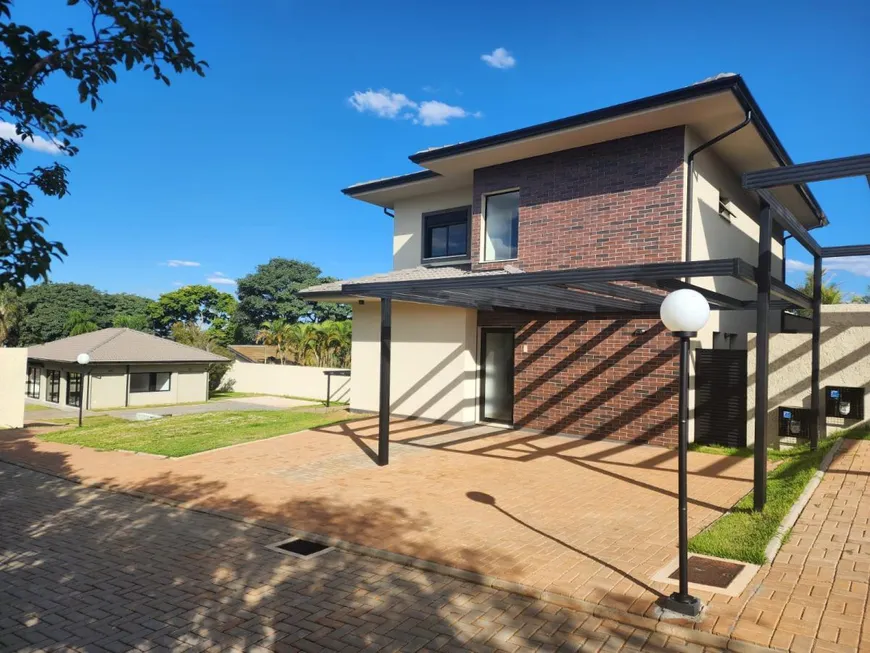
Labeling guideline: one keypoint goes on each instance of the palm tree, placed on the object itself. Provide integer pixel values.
(79, 322)
(338, 341)
(11, 313)
(831, 291)
(273, 334)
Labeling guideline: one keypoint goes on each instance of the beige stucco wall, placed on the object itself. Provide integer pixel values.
(13, 374)
(408, 223)
(108, 387)
(290, 380)
(433, 369)
(188, 384)
(845, 360)
(714, 237)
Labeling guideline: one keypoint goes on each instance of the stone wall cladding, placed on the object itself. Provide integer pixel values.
(612, 203)
(594, 376)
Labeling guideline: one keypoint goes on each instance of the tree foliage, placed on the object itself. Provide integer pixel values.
(324, 344)
(203, 306)
(11, 314)
(272, 292)
(47, 306)
(79, 322)
(192, 335)
(119, 34)
(831, 291)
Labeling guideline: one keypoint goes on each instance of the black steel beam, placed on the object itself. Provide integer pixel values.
(786, 292)
(845, 250)
(731, 267)
(791, 224)
(720, 300)
(504, 299)
(762, 350)
(804, 173)
(775, 305)
(561, 297)
(622, 292)
(440, 301)
(384, 390)
(815, 365)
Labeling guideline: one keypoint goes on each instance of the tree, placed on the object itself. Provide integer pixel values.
(203, 306)
(47, 307)
(831, 292)
(274, 334)
(11, 314)
(193, 336)
(272, 292)
(120, 33)
(135, 322)
(79, 322)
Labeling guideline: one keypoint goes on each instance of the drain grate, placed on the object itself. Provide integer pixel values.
(707, 571)
(299, 548)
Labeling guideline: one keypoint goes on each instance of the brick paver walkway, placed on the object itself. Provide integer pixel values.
(87, 569)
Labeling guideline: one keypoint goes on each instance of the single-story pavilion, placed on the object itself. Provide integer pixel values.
(126, 368)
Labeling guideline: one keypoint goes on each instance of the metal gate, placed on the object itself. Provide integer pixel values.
(720, 397)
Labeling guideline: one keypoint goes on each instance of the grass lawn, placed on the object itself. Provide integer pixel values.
(186, 434)
(34, 407)
(743, 534)
(217, 396)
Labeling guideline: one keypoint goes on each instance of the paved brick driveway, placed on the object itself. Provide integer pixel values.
(87, 569)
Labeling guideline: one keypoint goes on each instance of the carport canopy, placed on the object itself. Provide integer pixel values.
(624, 289)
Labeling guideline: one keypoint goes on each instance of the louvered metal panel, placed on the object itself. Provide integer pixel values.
(720, 397)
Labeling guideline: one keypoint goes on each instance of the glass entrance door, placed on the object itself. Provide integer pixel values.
(497, 375)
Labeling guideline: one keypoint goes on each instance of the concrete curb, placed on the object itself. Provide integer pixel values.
(791, 517)
(721, 642)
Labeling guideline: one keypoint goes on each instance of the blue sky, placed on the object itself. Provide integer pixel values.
(247, 163)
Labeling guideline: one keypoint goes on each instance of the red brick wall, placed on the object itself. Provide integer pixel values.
(611, 203)
(594, 377)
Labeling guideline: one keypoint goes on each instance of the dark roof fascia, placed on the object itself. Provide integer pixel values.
(381, 184)
(617, 110)
(94, 363)
(733, 83)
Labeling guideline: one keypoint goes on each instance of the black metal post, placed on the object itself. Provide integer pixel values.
(328, 384)
(384, 404)
(762, 353)
(681, 601)
(81, 395)
(817, 425)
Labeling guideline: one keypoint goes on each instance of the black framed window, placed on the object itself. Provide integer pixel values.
(33, 378)
(445, 233)
(52, 386)
(150, 382)
(501, 228)
(73, 389)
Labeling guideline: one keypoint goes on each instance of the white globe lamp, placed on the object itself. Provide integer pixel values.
(83, 359)
(685, 311)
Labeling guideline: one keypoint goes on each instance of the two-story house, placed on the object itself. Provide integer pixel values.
(494, 313)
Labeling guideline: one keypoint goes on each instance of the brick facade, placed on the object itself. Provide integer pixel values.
(594, 377)
(611, 203)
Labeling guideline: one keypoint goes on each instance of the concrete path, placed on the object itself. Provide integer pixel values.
(247, 403)
(83, 569)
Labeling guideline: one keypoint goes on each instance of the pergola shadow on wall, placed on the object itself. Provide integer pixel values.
(638, 290)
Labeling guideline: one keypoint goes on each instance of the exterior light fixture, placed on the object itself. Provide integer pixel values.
(82, 359)
(684, 313)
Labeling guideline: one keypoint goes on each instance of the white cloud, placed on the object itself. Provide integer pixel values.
(857, 265)
(221, 279)
(177, 283)
(800, 266)
(500, 58)
(176, 263)
(383, 103)
(386, 104)
(433, 112)
(38, 143)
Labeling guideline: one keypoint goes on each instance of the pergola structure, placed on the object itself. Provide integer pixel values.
(638, 290)
(772, 210)
(629, 290)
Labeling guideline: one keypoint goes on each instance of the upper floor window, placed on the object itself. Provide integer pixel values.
(501, 226)
(445, 233)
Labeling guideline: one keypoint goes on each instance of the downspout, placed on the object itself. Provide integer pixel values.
(387, 213)
(690, 183)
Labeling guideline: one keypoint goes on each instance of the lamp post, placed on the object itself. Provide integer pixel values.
(82, 359)
(684, 312)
